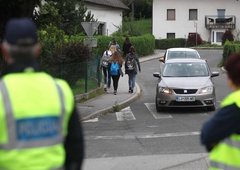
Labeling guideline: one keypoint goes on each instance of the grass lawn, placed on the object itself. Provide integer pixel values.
(143, 26)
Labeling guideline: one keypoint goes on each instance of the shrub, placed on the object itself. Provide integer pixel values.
(170, 43)
(191, 41)
(63, 63)
(227, 35)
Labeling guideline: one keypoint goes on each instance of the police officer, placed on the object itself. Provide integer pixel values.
(221, 133)
(39, 125)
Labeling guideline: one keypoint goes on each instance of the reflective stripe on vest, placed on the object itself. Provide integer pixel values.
(214, 164)
(232, 143)
(13, 143)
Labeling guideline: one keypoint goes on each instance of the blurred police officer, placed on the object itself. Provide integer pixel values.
(221, 133)
(39, 125)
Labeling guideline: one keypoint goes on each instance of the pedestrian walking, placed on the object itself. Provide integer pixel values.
(115, 69)
(114, 42)
(132, 66)
(126, 46)
(104, 66)
(39, 123)
(221, 133)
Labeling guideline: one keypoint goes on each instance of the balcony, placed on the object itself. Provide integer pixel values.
(216, 22)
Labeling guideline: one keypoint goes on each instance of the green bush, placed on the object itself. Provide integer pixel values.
(170, 43)
(144, 44)
(229, 48)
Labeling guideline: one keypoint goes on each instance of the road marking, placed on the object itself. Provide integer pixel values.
(91, 120)
(144, 136)
(151, 107)
(125, 114)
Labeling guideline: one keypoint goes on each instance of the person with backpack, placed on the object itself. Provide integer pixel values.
(115, 69)
(104, 66)
(132, 64)
(114, 42)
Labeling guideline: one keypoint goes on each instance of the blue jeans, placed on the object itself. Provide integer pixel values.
(131, 80)
(107, 77)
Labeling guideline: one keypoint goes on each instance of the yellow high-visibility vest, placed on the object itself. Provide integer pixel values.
(34, 113)
(226, 154)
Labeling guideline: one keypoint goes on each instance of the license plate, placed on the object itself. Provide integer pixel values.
(185, 99)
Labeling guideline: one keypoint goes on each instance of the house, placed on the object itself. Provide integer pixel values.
(209, 18)
(108, 12)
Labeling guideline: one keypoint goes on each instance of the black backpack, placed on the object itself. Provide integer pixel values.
(131, 63)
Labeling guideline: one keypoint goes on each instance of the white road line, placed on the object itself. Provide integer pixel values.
(125, 114)
(146, 136)
(91, 120)
(157, 115)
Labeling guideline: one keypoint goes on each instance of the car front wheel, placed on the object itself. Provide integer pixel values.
(211, 108)
(158, 108)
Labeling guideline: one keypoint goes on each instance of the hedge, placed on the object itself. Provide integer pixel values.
(170, 43)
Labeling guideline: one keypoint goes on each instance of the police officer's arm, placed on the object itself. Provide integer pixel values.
(74, 143)
(224, 123)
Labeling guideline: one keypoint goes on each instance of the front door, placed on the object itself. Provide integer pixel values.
(217, 36)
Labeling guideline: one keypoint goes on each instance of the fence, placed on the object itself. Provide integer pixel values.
(82, 77)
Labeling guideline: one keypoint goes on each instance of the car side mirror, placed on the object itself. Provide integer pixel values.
(156, 74)
(161, 59)
(215, 74)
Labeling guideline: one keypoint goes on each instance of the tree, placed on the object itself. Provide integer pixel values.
(66, 15)
(138, 8)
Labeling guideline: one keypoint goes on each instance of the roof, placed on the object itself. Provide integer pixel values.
(186, 60)
(109, 3)
(181, 49)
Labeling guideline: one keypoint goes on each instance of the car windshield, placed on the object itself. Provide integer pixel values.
(185, 70)
(182, 54)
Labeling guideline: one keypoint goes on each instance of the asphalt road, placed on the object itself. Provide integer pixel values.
(145, 133)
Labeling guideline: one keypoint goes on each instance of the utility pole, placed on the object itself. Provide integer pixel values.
(195, 25)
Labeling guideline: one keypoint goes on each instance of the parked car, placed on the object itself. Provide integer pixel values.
(185, 83)
(173, 53)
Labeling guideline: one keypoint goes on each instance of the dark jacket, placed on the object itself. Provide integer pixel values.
(126, 47)
(73, 144)
(224, 123)
(136, 64)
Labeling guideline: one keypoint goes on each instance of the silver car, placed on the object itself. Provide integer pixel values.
(185, 83)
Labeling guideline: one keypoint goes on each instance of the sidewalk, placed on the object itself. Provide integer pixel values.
(106, 102)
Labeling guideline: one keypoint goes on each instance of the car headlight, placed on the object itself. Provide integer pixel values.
(208, 89)
(164, 90)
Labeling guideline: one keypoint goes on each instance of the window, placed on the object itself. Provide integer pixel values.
(193, 14)
(170, 14)
(170, 35)
(221, 13)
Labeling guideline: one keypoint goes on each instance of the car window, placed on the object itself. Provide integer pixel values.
(185, 70)
(182, 54)
(191, 54)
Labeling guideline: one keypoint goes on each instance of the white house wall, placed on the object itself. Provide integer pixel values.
(111, 17)
(182, 26)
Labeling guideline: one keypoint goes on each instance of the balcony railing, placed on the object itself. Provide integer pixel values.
(226, 22)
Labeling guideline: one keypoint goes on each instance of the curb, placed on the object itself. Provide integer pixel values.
(111, 109)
